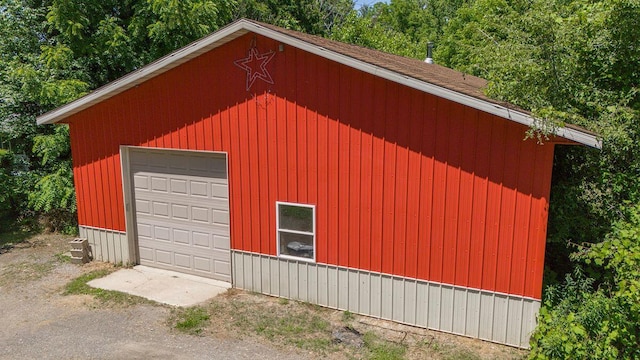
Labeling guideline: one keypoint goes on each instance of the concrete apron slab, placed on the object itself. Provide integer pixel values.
(163, 286)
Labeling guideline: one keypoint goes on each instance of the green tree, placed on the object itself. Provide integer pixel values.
(52, 52)
(365, 31)
(316, 17)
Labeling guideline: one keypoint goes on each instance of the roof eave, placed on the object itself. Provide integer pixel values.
(243, 26)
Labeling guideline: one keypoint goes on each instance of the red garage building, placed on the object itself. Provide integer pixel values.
(305, 168)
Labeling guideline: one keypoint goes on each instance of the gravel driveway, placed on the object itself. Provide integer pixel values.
(37, 322)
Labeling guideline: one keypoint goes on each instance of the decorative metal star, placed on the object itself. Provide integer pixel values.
(255, 65)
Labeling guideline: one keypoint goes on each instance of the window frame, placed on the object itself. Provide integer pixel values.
(298, 232)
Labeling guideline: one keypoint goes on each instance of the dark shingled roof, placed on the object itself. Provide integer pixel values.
(431, 73)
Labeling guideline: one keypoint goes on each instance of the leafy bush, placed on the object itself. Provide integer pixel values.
(6, 190)
(578, 322)
(15, 183)
(53, 195)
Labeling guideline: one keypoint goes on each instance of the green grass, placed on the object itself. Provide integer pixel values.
(347, 316)
(62, 257)
(283, 301)
(304, 329)
(379, 349)
(191, 320)
(78, 286)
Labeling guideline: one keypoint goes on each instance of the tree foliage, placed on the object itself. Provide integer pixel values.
(316, 17)
(401, 27)
(578, 322)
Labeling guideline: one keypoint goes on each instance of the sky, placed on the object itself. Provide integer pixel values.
(359, 3)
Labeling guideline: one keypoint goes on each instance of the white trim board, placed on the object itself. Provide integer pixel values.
(244, 26)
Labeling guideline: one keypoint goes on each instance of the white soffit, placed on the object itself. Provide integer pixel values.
(242, 27)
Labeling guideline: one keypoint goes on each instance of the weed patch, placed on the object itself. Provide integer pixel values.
(379, 349)
(62, 257)
(191, 320)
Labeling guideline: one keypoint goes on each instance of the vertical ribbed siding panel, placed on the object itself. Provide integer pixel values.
(344, 205)
(378, 210)
(112, 246)
(312, 278)
(494, 202)
(397, 290)
(422, 310)
(375, 282)
(434, 295)
(366, 175)
(472, 318)
(491, 316)
(452, 217)
(446, 308)
(237, 275)
(303, 281)
(300, 120)
(322, 148)
(500, 316)
(353, 286)
(389, 178)
(427, 187)
(460, 311)
(104, 245)
(386, 306)
(410, 308)
(342, 288)
(323, 286)
(466, 198)
(438, 205)
(529, 316)
(264, 198)
(508, 210)
(364, 293)
(486, 316)
(402, 111)
(355, 175)
(514, 325)
(265, 275)
(333, 277)
(254, 179)
(256, 268)
(107, 245)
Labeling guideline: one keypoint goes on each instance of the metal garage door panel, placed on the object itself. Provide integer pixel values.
(182, 211)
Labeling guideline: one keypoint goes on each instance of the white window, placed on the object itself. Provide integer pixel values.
(296, 227)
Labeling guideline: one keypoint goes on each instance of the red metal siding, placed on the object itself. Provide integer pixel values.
(403, 182)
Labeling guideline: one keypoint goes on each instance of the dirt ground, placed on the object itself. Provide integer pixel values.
(38, 322)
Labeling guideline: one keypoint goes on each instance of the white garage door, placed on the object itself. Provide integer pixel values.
(182, 211)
